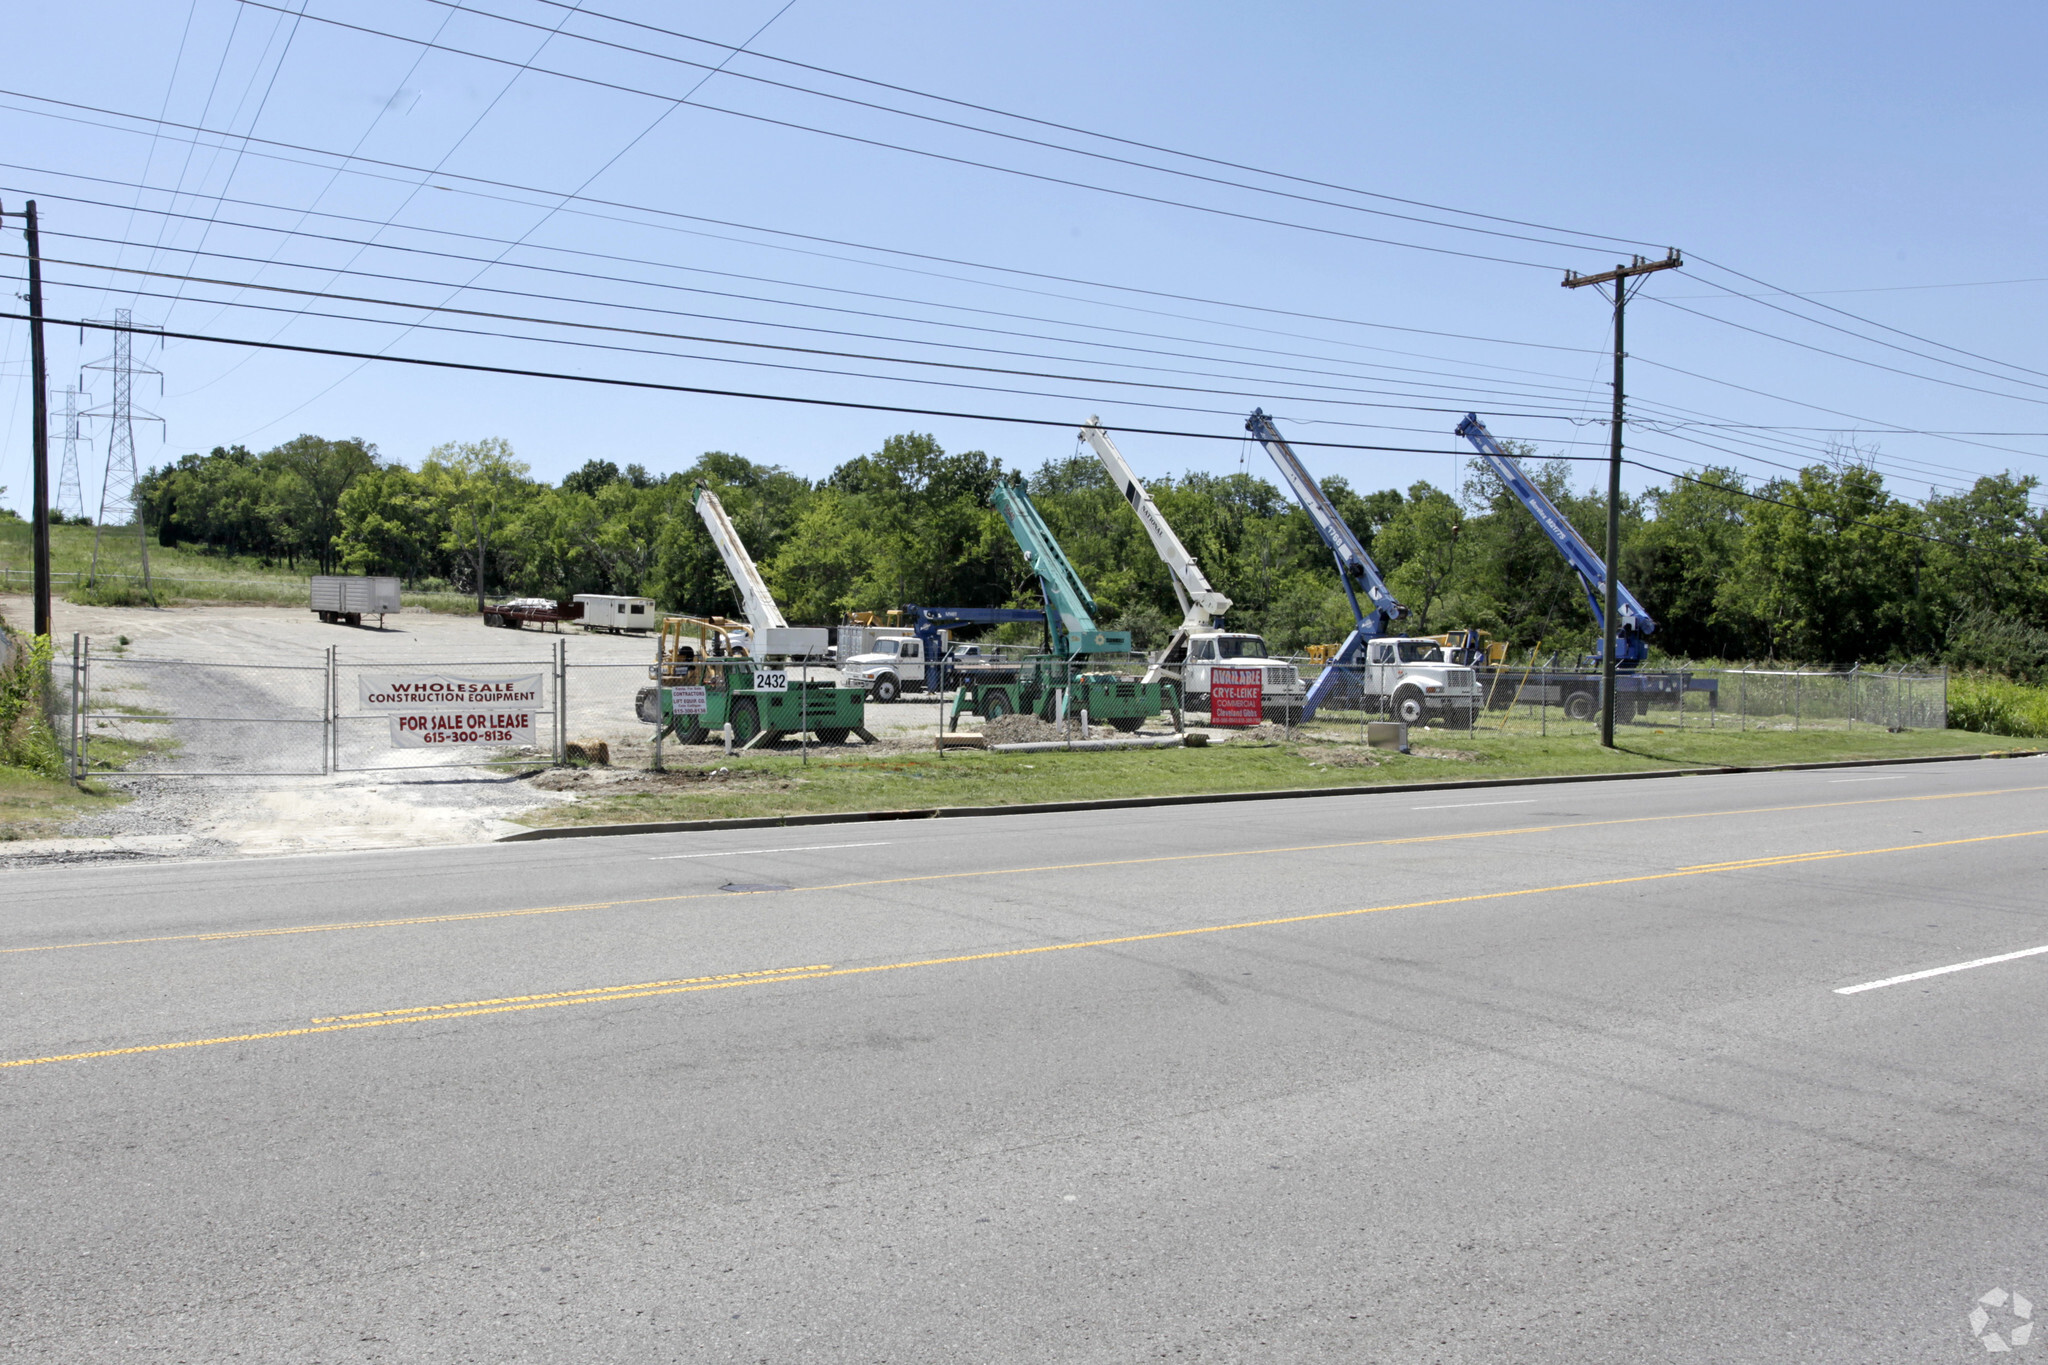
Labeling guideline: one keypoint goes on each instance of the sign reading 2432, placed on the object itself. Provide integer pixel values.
(771, 680)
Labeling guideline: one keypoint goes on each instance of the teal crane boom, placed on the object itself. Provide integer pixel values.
(1069, 606)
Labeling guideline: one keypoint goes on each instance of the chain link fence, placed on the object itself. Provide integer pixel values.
(114, 712)
(1538, 701)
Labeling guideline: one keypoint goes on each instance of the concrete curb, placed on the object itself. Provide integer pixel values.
(1210, 798)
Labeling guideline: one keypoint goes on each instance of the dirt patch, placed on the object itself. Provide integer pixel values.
(1451, 755)
(1032, 730)
(622, 781)
(1265, 732)
(1340, 756)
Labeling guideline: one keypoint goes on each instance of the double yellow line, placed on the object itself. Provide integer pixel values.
(782, 976)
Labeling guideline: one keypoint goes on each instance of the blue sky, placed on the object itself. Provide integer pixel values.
(1863, 151)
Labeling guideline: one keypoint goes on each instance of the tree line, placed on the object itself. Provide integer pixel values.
(1825, 566)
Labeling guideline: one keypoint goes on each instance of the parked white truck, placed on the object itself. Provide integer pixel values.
(895, 664)
(1408, 678)
(345, 599)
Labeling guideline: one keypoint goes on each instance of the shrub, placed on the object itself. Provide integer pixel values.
(1997, 706)
(25, 738)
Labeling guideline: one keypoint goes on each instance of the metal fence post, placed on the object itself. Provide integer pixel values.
(327, 709)
(561, 701)
(1798, 697)
(84, 707)
(76, 771)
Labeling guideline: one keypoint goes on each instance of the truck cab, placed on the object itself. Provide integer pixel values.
(895, 664)
(1411, 678)
(1284, 689)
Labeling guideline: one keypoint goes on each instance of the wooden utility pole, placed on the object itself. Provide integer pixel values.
(1610, 606)
(39, 420)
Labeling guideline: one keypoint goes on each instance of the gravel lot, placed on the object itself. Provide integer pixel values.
(424, 797)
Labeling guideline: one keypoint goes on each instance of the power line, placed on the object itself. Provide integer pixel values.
(937, 156)
(792, 284)
(998, 133)
(610, 381)
(1872, 322)
(1070, 128)
(756, 345)
(900, 252)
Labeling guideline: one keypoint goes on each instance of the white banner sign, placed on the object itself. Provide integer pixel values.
(404, 693)
(687, 701)
(433, 729)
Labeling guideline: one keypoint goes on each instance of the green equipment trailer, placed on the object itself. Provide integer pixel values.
(702, 683)
(1072, 679)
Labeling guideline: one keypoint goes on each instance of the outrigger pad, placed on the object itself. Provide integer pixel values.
(865, 736)
(764, 737)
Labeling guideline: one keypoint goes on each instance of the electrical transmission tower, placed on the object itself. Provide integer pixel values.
(117, 491)
(70, 499)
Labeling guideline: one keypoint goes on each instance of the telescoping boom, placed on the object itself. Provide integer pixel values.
(1355, 568)
(1069, 606)
(1202, 607)
(1633, 629)
(757, 604)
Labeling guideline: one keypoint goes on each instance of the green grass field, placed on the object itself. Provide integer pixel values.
(846, 781)
(178, 575)
(33, 807)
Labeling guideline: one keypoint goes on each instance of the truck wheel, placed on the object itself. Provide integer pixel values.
(1409, 708)
(690, 733)
(886, 688)
(492, 618)
(994, 706)
(1580, 706)
(746, 721)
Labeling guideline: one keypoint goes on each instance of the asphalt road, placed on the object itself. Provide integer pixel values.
(1532, 1074)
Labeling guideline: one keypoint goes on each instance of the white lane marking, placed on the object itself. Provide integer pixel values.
(744, 852)
(1461, 805)
(1837, 781)
(1941, 971)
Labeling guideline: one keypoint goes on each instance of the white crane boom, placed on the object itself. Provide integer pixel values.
(757, 604)
(1202, 607)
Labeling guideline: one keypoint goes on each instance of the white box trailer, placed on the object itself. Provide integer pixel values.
(618, 614)
(347, 598)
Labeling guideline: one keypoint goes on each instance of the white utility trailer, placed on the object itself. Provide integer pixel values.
(347, 598)
(617, 614)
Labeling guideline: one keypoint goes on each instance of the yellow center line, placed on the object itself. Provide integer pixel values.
(429, 1011)
(1765, 860)
(469, 916)
(560, 1000)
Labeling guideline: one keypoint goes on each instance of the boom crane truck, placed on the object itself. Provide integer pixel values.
(1405, 676)
(1200, 643)
(1580, 696)
(710, 672)
(1059, 685)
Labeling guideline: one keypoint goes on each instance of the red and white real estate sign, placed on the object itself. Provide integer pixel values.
(1237, 696)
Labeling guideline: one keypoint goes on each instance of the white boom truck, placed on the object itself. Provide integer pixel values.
(1405, 676)
(1200, 643)
(768, 635)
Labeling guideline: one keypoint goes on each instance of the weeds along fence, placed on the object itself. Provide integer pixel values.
(1541, 702)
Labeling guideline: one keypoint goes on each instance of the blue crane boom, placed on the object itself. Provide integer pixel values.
(1632, 631)
(1355, 569)
(1069, 607)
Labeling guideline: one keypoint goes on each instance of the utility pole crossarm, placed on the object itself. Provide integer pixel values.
(1640, 266)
